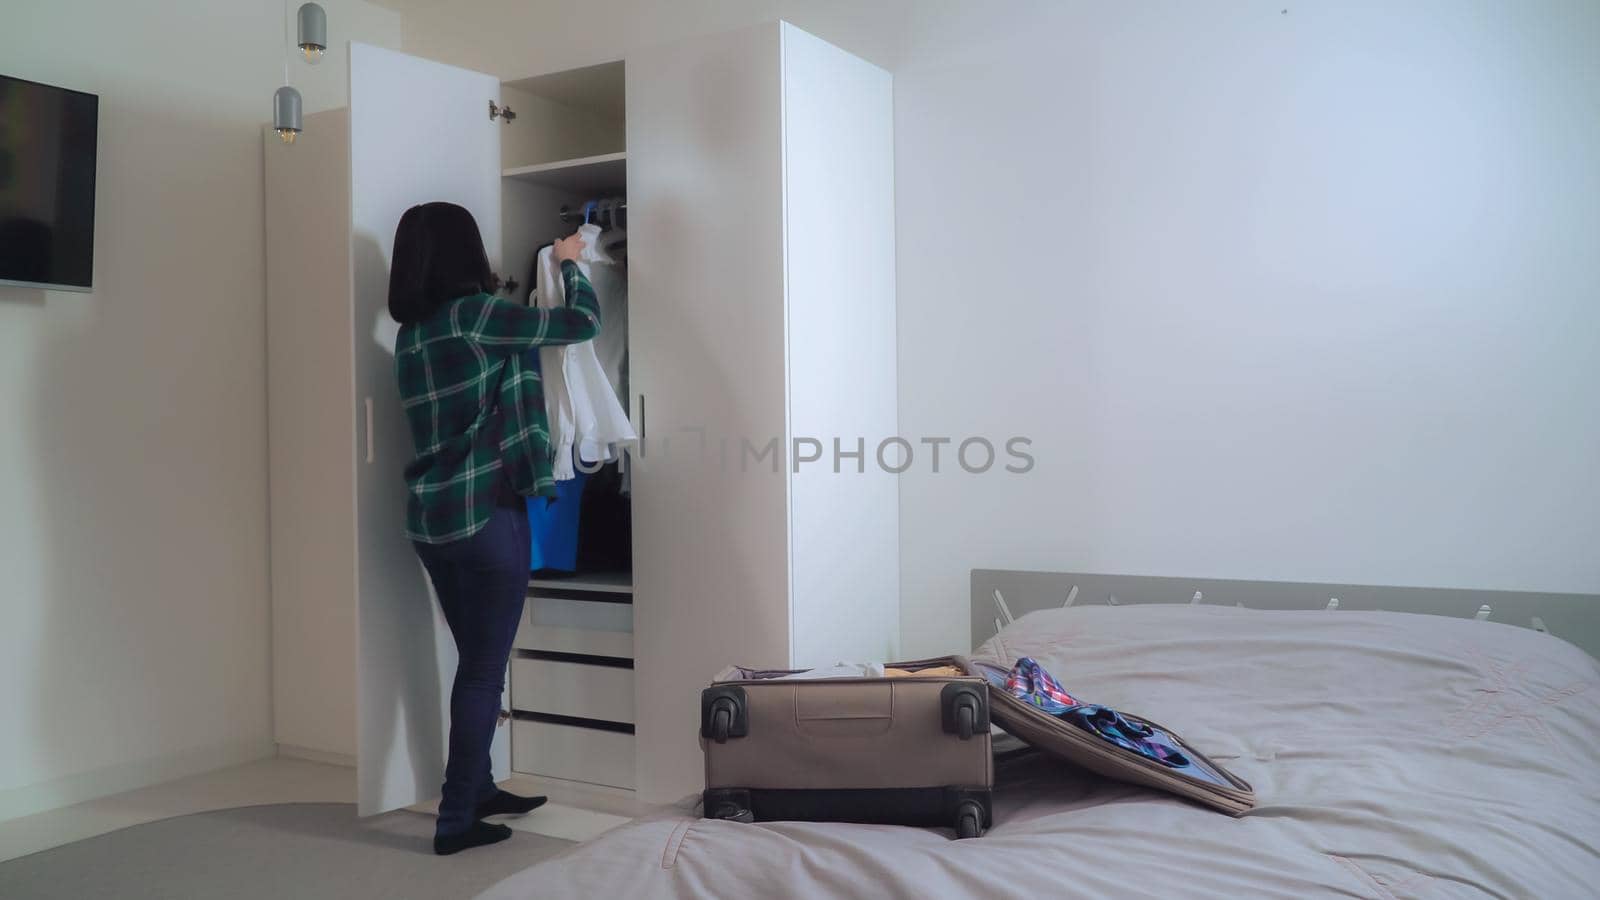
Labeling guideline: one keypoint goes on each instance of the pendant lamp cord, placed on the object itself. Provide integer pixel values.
(285, 41)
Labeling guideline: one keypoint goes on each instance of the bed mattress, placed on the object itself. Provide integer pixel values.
(1392, 755)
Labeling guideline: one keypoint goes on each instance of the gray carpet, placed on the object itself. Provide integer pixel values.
(296, 851)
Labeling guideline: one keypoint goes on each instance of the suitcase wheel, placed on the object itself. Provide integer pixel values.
(969, 820)
(964, 718)
(728, 804)
(730, 812)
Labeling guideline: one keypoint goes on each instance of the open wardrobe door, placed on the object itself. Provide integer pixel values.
(420, 131)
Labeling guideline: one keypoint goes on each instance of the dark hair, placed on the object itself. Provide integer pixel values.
(438, 256)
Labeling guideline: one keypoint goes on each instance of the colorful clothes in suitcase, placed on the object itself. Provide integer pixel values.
(1030, 682)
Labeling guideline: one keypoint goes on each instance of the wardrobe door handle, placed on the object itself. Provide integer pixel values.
(367, 403)
(641, 419)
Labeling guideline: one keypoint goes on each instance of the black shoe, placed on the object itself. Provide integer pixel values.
(508, 804)
(479, 835)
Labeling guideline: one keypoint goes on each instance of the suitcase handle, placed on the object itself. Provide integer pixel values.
(964, 709)
(723, 713)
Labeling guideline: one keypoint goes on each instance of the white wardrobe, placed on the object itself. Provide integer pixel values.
(757, 167)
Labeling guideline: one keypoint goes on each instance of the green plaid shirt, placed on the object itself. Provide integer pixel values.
(475, 403)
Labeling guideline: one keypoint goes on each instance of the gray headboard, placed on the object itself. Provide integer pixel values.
(1572, 617)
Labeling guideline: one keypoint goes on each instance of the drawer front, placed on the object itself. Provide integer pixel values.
(573, 753)
(555, 639)
(572, 689)
(575, 626)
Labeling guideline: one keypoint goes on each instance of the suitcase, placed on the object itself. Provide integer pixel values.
(899, 750)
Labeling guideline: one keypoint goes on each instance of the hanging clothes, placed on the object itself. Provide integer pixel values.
(605, 527)
(555, 524)
(607, 255)
(610, 280)
(582, 406)
(611, 346)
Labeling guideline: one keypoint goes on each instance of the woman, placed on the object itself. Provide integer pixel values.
(475, 404)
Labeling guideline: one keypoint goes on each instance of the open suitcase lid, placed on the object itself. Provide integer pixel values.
(1048, 733)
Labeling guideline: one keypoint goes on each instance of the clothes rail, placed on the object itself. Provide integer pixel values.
(591, 209)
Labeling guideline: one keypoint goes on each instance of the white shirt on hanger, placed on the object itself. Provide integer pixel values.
(579, 400)
(611, 344)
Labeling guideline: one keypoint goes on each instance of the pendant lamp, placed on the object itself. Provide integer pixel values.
(313, 32)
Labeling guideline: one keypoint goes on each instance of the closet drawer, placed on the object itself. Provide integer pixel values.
(573, 753)
(572, 689)
(555, 639)
(576, 626)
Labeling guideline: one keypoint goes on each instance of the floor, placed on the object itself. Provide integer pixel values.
(270, 781)
(307, 851)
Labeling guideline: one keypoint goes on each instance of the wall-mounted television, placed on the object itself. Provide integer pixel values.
(47, 166)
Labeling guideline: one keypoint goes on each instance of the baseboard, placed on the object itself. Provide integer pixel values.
(332, 758)
(129, 776)
(599, 798)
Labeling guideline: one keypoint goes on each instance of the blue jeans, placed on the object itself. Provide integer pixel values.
(481, 582)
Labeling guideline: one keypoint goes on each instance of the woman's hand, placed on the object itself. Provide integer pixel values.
(568, 248)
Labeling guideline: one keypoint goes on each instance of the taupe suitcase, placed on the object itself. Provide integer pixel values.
(904, 751)
(910, 750)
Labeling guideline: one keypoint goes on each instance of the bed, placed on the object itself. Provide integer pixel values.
(1393, 755)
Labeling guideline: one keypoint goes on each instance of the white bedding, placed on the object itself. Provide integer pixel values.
(1393, 756)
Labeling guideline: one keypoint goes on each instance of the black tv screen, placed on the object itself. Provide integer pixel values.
(47, 164)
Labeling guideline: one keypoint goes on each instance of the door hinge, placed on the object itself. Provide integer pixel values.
(497, 111)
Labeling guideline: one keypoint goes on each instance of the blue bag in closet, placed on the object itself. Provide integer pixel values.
(553, 526)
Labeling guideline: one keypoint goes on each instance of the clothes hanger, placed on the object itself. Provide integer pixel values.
(594, 251)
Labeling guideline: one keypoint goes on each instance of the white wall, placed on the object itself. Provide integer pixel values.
(1292, 290)
(133, 514)
(517, 38)
(844, 535)
(1307, 295)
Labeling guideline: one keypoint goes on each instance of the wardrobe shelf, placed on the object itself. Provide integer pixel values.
(599, 582)
(587, 174)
